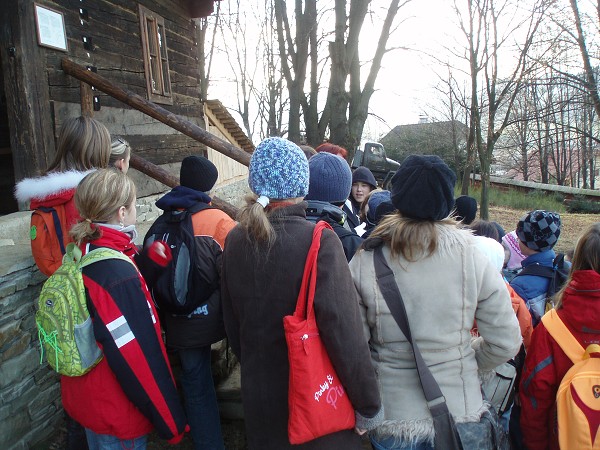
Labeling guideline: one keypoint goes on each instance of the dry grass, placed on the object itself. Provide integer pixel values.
(572, 224)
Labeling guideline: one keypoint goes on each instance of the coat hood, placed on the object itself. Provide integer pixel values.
(50, 185)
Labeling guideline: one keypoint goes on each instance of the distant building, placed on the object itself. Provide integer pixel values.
(445, 139)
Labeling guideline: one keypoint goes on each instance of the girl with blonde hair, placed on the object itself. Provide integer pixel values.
(263, 264)
(120, 154)
(446, 283)
(131, 390)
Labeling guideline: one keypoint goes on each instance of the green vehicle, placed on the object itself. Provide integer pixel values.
(372, 155)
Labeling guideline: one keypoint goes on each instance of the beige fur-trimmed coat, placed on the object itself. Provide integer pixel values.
(443, 294)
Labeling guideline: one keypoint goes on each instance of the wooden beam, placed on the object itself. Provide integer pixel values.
(157, 112)
(87, 99)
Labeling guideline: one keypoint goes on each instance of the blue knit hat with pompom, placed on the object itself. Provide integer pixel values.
(278, 170)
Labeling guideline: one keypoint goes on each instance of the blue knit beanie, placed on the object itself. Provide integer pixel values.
(330, 178)
(278, 170)
(376, 199)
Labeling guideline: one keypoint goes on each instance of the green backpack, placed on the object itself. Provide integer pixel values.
(64, 324)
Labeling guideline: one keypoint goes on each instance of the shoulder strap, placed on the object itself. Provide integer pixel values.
(563, 337)
(537, 270)
(436, 402)
(199, 207)
(57, 226)
(306, 296)
(101, 254)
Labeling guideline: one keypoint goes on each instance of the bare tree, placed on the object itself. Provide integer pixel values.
(487, 44)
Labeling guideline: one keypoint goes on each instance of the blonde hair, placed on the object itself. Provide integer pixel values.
(255, 221)
(586, 257)
(83, 144)
(119, 149)
(412, 238)
(98, 198)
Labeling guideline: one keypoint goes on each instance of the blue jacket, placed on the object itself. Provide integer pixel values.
(533, 288)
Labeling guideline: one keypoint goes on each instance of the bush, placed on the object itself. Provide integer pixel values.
(580, 204)
(515, 199)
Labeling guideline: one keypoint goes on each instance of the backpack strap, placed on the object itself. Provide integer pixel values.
(563, 337)
(57, 226)
(537, 270)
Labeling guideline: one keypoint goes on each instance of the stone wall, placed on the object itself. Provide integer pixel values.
(30, 405)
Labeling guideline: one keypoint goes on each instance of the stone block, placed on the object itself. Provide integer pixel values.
(7, 288)
(17, 347)
(43, 399)
(12, 430)
(9, 395)
(12, 302)
(8, 331)
(14, 370)
(14, 258)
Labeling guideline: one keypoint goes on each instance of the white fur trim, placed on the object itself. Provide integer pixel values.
(48, 185)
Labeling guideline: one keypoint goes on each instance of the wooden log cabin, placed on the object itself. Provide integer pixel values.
(149, 47)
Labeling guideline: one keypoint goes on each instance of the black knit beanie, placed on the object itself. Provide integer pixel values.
(423, 188)
(466, 209)
(365, 175)
(198, 173)
(539, 230)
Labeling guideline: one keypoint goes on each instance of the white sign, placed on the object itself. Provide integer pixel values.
(50, 28)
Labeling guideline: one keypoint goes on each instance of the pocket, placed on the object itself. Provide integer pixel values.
(86, 344)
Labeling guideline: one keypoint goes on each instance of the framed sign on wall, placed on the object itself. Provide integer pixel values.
(50, 25)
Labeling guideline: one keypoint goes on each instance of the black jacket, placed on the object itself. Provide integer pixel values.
(335, 217)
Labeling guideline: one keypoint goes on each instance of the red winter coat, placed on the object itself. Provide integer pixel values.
(546, 364)
(131, 391)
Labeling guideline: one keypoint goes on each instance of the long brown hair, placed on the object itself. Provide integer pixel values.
(83, 144)
(254, 219)
(586, 257)
(414, 239)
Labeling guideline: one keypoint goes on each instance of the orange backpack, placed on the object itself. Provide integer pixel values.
(49, 237)
(578, 396)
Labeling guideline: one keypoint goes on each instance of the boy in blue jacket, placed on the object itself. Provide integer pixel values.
(538, 231)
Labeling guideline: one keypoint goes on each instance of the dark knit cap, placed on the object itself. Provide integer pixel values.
(330, 178)
(384, 209)
(198, 173)
(423, 188)
(376, 199)
(539, 230)
(365, 175)
(466, 209)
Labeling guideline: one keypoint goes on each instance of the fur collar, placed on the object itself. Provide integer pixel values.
(48, 185)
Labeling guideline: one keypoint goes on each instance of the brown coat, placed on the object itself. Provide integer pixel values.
(257, 292)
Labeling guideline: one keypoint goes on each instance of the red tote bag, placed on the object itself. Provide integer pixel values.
(318, 403)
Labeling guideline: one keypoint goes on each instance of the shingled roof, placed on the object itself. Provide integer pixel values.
(222, 114)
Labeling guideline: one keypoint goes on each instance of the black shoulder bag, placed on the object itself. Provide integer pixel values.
(446, 434)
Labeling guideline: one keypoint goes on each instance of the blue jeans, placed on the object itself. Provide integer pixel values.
(392, 443)
(200, 398)
(106, 442)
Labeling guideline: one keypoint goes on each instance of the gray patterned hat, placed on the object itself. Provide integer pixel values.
(539, 230)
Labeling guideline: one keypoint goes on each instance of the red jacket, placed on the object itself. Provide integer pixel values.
(131, 390)
(546, 364)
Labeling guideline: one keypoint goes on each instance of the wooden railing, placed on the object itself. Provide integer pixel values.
(168, 118)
